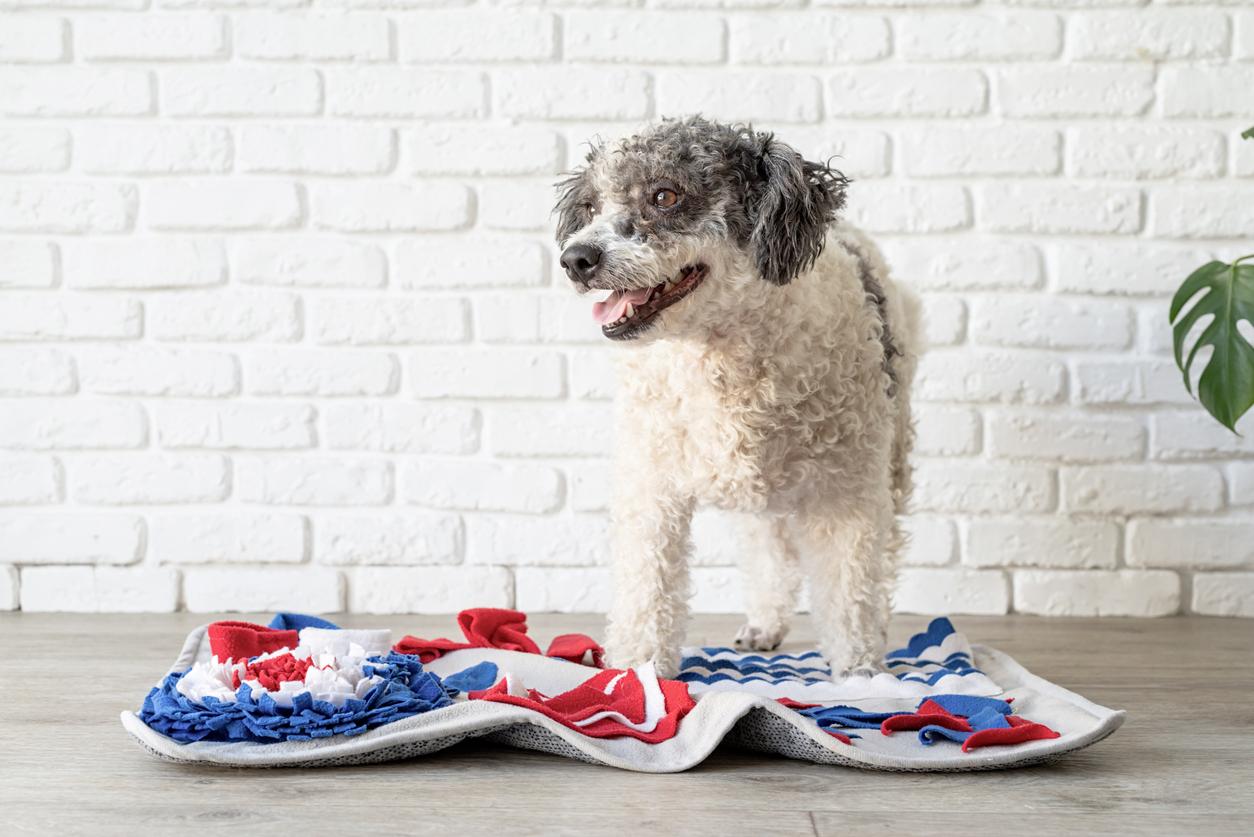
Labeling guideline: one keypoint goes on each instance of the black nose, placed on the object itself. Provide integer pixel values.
(581, 262)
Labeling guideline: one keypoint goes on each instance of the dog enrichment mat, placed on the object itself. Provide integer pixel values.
(303, 692)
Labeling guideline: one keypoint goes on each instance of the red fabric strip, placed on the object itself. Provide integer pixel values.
(241, 640)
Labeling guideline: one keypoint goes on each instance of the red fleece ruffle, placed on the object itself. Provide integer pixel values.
(490, 627)
(241, 640)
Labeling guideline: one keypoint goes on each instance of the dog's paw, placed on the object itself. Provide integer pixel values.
(751, 638)
(867, 670)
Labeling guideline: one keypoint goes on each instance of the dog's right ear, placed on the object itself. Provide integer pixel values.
(790, 209)
(575, 199)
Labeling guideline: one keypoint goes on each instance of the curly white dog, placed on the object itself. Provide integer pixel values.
(768, 372)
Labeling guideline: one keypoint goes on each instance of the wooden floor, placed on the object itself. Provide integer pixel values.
(1183, 763)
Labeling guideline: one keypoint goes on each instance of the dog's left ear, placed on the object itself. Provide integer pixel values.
(795, 201)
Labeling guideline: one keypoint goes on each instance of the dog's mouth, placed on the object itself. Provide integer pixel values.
(623, 314)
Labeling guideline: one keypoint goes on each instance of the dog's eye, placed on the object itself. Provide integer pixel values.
(665, 198)
(591, 208)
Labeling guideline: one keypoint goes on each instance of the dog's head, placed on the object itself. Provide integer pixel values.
(690, 211)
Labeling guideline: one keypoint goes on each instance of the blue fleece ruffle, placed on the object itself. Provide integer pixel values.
(406, 690)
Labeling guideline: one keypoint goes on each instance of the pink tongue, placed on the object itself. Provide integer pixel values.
(615, 305)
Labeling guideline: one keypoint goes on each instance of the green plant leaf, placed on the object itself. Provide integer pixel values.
(1226, 386)
(1248, 133)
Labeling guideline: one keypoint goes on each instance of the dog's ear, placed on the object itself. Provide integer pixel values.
(790, 208)
(574, 197)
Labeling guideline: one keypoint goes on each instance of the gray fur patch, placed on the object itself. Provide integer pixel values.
(875, 292)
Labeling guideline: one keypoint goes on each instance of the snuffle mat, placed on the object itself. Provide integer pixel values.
(302, 692)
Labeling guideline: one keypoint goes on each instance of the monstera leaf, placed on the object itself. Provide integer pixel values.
(1226, 292)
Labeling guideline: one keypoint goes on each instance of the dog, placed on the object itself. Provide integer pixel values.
(767, 371)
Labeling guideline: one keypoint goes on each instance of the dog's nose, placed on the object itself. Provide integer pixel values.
(581, 262)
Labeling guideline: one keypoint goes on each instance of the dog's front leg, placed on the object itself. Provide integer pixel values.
(649, 547)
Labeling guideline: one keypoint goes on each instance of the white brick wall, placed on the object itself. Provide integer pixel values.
(281, 324)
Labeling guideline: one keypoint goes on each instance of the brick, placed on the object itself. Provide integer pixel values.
(248, 426)
(987, 377)
(27, 264)
(483, 149)
(1242, 483)
(964, 264)
(153, 149)
(34, 148)
(1243, 42)
(77, 424)
(968, 36)
(320, 37)
(128, 37)
(946, 431)
(1064, 438)
(1201, 212)
(476, 35)
(1207, 91)
(74, 91)
(932, 541)
(945, 591)
(100, 589)
(403, 539)
(516, 206)
(1196, 435)
(401, 428)
(567, 430)
(944, 320)
(1074, 91)
(1129, 383)
(224, 316)
(563, 589)
(940, 151)
(652, 39)
(1050, 208)
(149, 478)
(862, 153)
(26, 371)
(470, 263)
(557, 93)
(1224, 594)
(1124, 269)
(321, 372)
(143, 263)
(593, 375)
(563, 318)
(363, 206)
(26, 480)
(588, 486)
(428, 589)
(222, 205)
(1142, 489)
(891, 207)
(790, 97)
(232, 538)
(70, 538)
(1203, 544)
(1149, 35)
(808, 38)
(382, 321)
(314, 481)
(1096, 592)
(465, 485)
(902, 92)
(10, 588)
(1144, 152)
(316, 149)
(157, 370)
(717, 590)
(523, 540)
(309, 262)
(487, 373)
(406, 92)
(32, 39)
(68, 318)
(1155, 337)
(1035, 321)
(232, 589)
(957, 486)
(1035, 542)
(66, 207)
(240, 91)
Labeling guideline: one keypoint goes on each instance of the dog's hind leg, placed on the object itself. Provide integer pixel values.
(649, 541)
(772, 579)
(851, 578)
